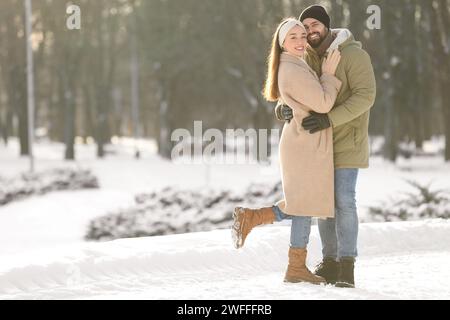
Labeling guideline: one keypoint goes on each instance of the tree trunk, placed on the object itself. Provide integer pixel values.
(89, 128)
(337, 14)
(388, 98)
(390, 150)
(445, 72)
(358, 18)
(447, 136)
(100, 130)
(3, 129)
(164, 137)
(104, 100)
(442, 64)
(69, 127)
(5, 119)
(20, 104)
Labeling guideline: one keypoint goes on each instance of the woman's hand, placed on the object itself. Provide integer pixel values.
(331, 62)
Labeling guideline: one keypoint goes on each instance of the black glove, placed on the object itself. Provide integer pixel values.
(316, 122)
(284, 113)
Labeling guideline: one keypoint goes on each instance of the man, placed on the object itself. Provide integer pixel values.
(350, 121)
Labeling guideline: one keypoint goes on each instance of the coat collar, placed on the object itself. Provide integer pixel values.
(341, 38)
(286, 57)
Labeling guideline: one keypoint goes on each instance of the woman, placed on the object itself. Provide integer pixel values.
(306, 159)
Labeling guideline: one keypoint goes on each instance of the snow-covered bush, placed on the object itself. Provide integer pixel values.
(174, 211)
(434, 147)
(28, 184)
(422, 204)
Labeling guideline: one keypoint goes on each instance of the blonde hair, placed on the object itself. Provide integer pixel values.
(271, 91)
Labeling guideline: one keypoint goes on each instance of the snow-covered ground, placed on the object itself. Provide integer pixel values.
(407, 260)
(61, 218)
(41, 238)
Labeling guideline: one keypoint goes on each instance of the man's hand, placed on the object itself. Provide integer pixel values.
(284, 113)
(316, 122)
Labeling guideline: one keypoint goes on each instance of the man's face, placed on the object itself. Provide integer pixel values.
(316, 30)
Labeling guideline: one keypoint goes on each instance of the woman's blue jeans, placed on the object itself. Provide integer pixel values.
(300, 228)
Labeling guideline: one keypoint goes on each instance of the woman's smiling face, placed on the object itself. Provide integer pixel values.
(296, 41)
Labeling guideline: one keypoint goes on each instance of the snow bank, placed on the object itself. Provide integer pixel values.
(27, 184)
(175, 211)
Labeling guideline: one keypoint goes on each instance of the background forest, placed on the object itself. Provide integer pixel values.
(143, 68)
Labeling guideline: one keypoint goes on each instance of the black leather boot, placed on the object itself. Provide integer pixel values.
(328, 269)
(346, 278)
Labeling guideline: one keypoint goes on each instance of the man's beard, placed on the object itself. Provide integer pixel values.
(318, 41)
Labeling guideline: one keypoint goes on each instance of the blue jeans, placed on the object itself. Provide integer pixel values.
(339, 235)
(300, 228)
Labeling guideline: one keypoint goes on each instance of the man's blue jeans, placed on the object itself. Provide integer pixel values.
(339, 235)
(300, 228)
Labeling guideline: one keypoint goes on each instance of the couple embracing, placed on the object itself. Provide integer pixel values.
(324, 84)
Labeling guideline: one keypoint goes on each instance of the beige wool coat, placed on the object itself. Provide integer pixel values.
(306, 159)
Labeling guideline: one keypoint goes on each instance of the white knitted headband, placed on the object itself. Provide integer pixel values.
(285, 28)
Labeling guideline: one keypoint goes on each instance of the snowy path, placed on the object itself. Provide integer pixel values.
(56, 219)
(397, 261)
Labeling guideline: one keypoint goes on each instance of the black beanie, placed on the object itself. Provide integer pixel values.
(318, 13)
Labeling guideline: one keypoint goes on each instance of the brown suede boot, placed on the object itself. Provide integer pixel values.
(246, 219)
(298, 271)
